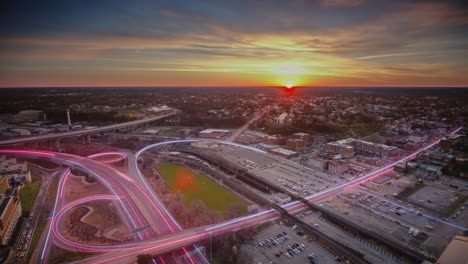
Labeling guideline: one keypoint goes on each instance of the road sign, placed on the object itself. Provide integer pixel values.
(131, 155)
(53, 213)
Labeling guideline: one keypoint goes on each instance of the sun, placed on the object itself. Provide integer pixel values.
(289, 85)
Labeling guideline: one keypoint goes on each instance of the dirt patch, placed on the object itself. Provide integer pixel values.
(77, 187)
(80, 226)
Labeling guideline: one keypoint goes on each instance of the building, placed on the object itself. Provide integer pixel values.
(281, 119)
(337, 167)
(214, 133)
(318, 162)
(319, 139)
(307, 138)
(295, 144)
(247, 139)
(272, 140)
(377, 149)
(10, 212)
(455, 252)
(341, 147)
(28, 116)
(250, 137)
(267, 148)
(285, 153)
(429, 171)
(15, 171)
(417, 138)
(4, 185)
(451, 140)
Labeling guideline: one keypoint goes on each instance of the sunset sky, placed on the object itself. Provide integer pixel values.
(233, 43)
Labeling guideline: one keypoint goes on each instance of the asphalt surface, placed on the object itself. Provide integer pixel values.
(81, 132)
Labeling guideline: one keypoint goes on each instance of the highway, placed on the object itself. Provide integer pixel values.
(83, 131)
(144, 207)
(137, 211)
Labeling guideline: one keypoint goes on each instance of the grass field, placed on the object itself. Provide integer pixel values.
(29, 192)
(197, 187)
(28, 195)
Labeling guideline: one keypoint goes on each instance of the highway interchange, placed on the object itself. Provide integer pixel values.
(156, 232)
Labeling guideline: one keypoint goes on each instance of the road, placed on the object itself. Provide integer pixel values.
(155, 246)
(239, 131)
(29, 226)
(135, 207)
(82, 132)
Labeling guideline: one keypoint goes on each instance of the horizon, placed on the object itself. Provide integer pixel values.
(193, 43)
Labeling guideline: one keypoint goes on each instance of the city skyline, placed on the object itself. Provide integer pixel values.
(247, 43)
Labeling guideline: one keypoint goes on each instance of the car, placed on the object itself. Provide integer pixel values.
(277, 254)
(312, 256)
(288, 255)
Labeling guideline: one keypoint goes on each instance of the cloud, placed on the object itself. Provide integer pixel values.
(351, 39)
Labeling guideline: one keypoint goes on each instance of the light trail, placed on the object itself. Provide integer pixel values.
(46, 248)
(121, 156)
(142, 246)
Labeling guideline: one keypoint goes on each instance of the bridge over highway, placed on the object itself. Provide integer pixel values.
(86, 133)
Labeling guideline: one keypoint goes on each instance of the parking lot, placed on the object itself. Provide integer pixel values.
(434, 198)
(371, 252)
(284, 252)
(283, 173)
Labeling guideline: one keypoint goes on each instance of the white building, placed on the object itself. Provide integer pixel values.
(281, 119)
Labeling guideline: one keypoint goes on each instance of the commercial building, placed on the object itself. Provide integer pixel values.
(214, 133)
(250, 137)
(451, 140)
(341, 147)
(317, 162)
(455, 252)
(272, 140)
(378, 149)
(285, 153)
(28, 116)
(307, 138)
(15, 171)
(10, 212)
(4, 185)
(337, 167)
(417, 138)
(295, 144)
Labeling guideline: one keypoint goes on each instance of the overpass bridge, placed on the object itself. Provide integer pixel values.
(85, 133)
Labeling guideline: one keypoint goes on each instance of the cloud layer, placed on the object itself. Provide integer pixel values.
(257, 42)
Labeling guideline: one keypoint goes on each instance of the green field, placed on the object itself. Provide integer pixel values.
(29, 192)
(197, 187)
(28, 195)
